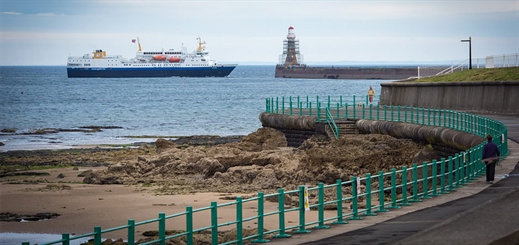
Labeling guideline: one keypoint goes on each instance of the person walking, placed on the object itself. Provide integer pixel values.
(371, 94)
(490, 157)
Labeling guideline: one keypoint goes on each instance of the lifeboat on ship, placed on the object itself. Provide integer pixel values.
(174, 59)
(159, 57)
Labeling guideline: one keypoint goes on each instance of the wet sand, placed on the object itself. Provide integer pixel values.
(85, 206)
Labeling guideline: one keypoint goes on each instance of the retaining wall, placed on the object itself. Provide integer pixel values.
(487, 97)
(446, 142)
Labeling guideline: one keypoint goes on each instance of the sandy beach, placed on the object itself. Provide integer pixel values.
(84, 206)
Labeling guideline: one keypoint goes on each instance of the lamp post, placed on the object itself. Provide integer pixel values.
(470, 51)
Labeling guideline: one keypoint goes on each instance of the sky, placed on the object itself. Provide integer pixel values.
(46, 32)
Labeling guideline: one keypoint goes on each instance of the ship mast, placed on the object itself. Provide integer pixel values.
(200, 44)
(291, 56)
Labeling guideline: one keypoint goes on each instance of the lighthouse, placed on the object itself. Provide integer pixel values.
(291, 58)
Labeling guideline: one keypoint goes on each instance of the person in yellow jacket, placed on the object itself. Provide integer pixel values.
(371, 94)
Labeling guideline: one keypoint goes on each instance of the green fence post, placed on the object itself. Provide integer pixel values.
(405, 113)
(354, 108)
(337, 115)
(378, 112)
(283, 105)
(318, 111)
(267, 107)
(340, 99)
(290, 105)
(399, 119)
(370, 111)
(302, 211)
(462, 169)
(281, 209)
(434, 176)
(423, 116)
(392, 108)
(239, 220)
(131, 232)
(442, 180)
(310, 108)
(346, 110)
(404, 187)
(354, 200)
(363, 111)
(328, 102)
(214, 223)
(381, 193)
(425, 182)
(277, 105)
(393, 190)
(434, 117)
(301, 109)
(66, 239)
(449, 173)
(415, 184)
(321, 208)
(307, 101)
(162, 229)
(385, 113)
(261, 218)
(444, 118)
(411, 113)
(97, 235)
(339, 203)
(189, 225)
(428, 116)
(457, 170)
(368, 196)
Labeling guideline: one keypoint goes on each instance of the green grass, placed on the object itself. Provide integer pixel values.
(477, 75)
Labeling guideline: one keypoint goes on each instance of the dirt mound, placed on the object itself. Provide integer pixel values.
(260, 162)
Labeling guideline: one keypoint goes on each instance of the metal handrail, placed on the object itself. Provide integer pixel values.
(331, 123)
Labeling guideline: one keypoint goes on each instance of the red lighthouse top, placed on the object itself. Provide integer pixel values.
(291, 28)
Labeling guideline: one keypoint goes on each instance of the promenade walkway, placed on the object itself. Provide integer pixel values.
(478, 213)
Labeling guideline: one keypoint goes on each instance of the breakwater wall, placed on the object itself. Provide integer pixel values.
(487, 97)
(384, 73)
(296, 129)
(446, 142)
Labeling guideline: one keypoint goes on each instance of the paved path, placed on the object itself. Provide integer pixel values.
(478, 213)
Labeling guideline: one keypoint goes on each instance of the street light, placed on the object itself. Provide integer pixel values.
(470, 51)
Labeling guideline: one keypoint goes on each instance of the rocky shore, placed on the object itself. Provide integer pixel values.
(258, 162)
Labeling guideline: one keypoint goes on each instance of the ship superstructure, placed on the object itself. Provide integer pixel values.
(163, 63)
(291, 56)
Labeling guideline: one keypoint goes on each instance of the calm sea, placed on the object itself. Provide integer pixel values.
(39, 97)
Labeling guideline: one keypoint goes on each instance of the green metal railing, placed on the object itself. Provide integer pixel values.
(331, 123)
(421, 178)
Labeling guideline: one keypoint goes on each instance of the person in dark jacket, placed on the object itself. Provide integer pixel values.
(490, 150)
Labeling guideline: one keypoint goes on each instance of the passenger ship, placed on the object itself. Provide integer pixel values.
(169, 63)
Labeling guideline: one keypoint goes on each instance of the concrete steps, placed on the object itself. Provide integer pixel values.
(345, 127)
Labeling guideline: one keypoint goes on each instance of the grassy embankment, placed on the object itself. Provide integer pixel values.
(477, 75)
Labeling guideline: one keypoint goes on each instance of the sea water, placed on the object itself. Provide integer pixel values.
(40, 97)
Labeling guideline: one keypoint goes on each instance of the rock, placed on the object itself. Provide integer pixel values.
(60, 176)
(427, 154)
(84, 173)
(264, 139)
(261, 162)
(163, 145)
